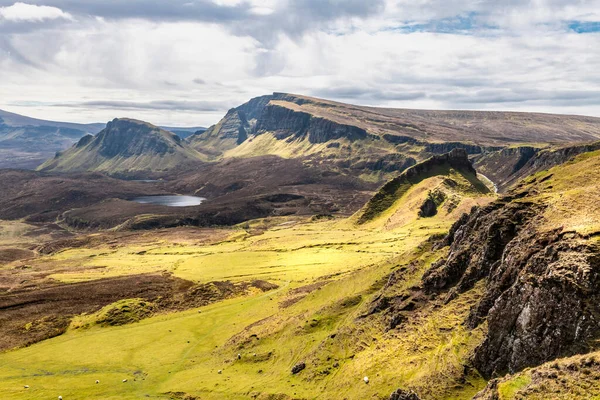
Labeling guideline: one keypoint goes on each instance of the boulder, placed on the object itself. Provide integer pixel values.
(298, 367)
(402, 394)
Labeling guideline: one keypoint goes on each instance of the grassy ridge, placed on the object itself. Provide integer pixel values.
(461, 179)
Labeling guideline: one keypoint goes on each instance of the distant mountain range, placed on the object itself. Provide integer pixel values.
(368, 143)
(28, 142)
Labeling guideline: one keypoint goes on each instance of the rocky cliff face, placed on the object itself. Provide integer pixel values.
(494, 141)
(506, 167)
(542, 295)
(233, 126)
(501, 165)
(233, 129)
(126, 137)
(254, 108)
(547, 159)
(285, 122)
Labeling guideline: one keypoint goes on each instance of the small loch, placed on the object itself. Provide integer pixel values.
(170, 201)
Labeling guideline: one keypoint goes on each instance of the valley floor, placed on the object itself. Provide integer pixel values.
(320, 308)
(326, 274)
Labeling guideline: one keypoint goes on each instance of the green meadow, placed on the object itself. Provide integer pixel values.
(328, 272)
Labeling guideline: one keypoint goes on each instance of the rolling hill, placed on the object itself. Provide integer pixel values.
(125, 146)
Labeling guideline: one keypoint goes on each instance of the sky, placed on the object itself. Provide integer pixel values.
(186, 62)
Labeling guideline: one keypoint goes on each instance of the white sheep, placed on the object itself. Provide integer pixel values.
(26, 386)
(124, 380)
(59, 397)
(219, 371)
(366, 379)
(239, 356)
(97, 381)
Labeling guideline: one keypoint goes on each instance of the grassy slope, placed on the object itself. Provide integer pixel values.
(572, 193)
(268, 144)
(394, 204)
(182, 352)
(569, 378)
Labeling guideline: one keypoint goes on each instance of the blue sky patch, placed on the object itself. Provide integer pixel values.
(584, 27)
(459, 24)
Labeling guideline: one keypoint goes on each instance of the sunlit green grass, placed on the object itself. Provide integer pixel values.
(183, 352)
(297, 253)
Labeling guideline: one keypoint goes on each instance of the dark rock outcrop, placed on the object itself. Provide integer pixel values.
(440, 148)
(542, 294)
(429, 207)
(402, 394)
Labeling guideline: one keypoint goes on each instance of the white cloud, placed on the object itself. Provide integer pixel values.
(530, 61)
(21, 12)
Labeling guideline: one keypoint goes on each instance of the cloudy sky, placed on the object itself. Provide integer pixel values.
(185, 62)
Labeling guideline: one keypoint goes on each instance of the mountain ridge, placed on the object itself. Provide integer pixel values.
(363, 141)
(397, 117)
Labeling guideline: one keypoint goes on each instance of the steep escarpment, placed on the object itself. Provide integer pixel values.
(506, 167)
(124, 146)
(537, 253)
(480, 128)
(547, 159)
(285, 122)
(502, 165)
(330, 134)
(232, 130)
(253, 109)
(542, 288)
